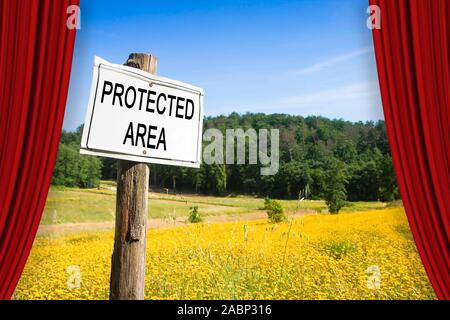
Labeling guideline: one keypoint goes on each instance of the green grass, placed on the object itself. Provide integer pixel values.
(72, 205)
(253, 203)
(78, 206)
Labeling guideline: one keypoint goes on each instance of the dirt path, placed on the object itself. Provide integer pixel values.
(151, 223)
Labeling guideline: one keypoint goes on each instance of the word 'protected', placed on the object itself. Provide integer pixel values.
(148, 100)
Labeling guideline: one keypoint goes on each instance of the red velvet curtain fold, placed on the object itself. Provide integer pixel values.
(36, 49)
(413, 57)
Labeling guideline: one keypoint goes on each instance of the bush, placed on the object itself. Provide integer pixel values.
(339, 249)
(194, 215)
(275, 211)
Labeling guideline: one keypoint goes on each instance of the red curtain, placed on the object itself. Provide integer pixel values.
(413, 57)
(36, 49)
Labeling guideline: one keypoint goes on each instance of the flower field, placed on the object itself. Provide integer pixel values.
(359, 255)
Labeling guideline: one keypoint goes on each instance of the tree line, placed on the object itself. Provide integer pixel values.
(319, 159)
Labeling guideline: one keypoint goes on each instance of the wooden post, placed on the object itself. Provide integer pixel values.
(128, 260)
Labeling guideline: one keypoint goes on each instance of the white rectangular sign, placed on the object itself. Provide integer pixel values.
(134, 115)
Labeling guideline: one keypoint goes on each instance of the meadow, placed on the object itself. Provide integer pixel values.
(73, 205)
(366, 252)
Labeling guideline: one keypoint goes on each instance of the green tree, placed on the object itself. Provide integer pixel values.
(388, 188)
(66, 167)
(218, 176)
(335, 193)
(306, 145)
(75, 170)
(89, 172)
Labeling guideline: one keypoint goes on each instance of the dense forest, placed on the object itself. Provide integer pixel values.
(319, 158)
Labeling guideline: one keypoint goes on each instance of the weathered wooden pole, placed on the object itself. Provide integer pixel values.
(128, 260)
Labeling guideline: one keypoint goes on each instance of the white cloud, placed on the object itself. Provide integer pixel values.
(352, 91)
(333, 61)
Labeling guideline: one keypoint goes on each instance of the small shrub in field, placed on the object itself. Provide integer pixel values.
(338, 249)
(266, 202)
(194, 215)
(275, 211)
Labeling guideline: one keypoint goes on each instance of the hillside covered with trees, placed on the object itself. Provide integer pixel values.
(319, 159)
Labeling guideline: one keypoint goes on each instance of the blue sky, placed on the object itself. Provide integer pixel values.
(304, 57)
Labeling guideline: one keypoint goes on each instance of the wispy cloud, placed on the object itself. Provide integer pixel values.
(333, 61)
(330, 96)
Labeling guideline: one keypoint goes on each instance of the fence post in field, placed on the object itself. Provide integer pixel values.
(128, 259)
